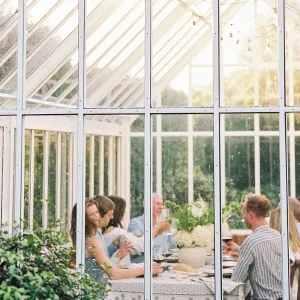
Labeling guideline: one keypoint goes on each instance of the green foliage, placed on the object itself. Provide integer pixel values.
(232, 214)
(186, 219)
(36, 266)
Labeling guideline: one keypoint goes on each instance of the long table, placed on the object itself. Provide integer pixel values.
(167, 288)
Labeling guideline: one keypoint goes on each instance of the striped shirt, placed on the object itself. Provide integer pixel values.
(260, 258)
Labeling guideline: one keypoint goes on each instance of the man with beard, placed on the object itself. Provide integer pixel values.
(260, 255)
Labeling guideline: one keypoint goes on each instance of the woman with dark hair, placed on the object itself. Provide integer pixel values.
(115, 228)
(95, 254)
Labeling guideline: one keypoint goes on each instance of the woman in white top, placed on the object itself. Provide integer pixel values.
(115, 228)
(294, 242)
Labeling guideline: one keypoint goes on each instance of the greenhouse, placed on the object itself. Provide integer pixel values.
(194, 101)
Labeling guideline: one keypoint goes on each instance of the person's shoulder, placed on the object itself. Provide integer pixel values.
(135, 220)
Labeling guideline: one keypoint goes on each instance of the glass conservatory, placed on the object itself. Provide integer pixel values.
(195, 100)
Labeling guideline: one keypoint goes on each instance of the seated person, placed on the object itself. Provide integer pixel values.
(294, 241)
(95, 255)
(294, 205)
(263, 269)
(136, 225)
(115, 228)
(106, 209)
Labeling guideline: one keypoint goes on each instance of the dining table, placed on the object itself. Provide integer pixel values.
(170, 286)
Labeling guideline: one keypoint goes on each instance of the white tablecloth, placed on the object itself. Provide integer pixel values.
(166, 288)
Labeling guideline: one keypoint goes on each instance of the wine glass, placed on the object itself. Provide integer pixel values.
(165, 214)
(158, 254)
(226, 236)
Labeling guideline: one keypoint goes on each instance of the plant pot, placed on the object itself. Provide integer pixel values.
(195, 257)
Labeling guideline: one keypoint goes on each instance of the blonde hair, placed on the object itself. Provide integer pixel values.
(275, 223)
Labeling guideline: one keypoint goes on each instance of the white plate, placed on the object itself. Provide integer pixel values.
(226, 273)
(228, 258)
(186, 273)
(229, 264)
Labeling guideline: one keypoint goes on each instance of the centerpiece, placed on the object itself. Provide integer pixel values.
(195, 231)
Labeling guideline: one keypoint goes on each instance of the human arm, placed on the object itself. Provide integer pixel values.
(96, 251)
(136, 227)
(232, 249)
(246, 259)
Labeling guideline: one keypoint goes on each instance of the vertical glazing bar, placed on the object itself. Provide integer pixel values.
(58, 176)
(7, 208)
(283, 151)
(92, 165)
(111, 170)
(119, 165)
(80, 245)
(147, 152)
(217, 194)
(19, 203)
(1, 171)
(70, 177)
(31, 181)
(101, 165)
(158, 147)
(190, 140)
(46, 148)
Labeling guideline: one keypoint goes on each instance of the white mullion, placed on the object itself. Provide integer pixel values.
(119, 165)
(8, 162)
(110, 165)
(70, 178)
(223, 160)
(147, 153)
(283, 152)
(292, 164)
(58, 177)
(126, 173)
(92, 165)
(31, 180)
(190, 142)
(20, 134)
(158, 147)
(217, 193)
(257, 153)
(1, 172)
(101, 165)
(81, 139)
(46, 157)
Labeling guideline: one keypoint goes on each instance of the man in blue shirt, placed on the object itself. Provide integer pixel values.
(136, 225)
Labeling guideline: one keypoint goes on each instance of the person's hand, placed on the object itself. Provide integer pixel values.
(116, 241)
(162, 226)
(231, 248)
(156, 269)
(123, 251)
(234, 255)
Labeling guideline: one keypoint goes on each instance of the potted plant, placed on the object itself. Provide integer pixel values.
(195, 229)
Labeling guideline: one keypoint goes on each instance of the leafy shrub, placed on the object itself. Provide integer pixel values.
(35, 265)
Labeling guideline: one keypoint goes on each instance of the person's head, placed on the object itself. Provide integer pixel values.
(294, 205)
(255, 208)
(91, 219)
(275, 223)
(157, 205)
(106, 209)
(119, 211)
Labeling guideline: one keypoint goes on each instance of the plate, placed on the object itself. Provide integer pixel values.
(228, 258)
(227, 273)
(229, 264)
(186, 273)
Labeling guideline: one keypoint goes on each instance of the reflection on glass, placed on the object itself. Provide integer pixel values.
(240, 122)
(8, 53)
(115, 54)
(52, 54)
(249, 54)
